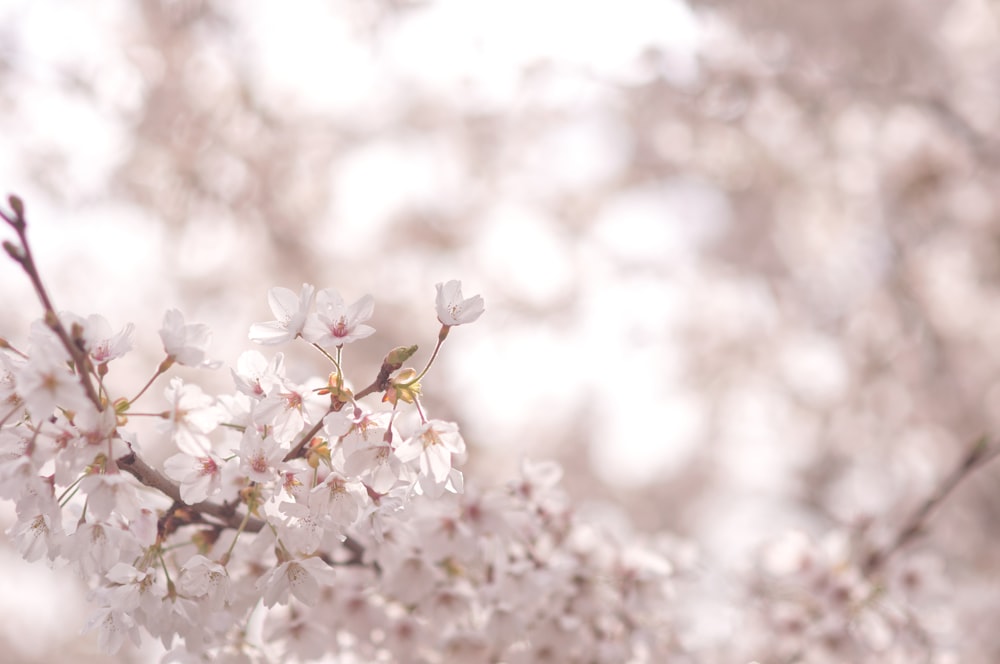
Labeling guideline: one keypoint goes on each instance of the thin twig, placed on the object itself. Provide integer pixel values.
(23, 257)
(978, 455)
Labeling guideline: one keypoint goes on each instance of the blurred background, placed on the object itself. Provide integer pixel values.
(741, 259)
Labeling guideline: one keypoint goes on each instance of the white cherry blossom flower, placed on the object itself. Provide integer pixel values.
(110, 492)
(380, 512)
(411, 580)
(302, 532)
(340, 422)
(191, 417)
(186, 343)
(285, 411)
(335, 323)
(103, 345)
(113, 625)
(37, 531)
(19, 472)
(259, 456)
(305, 637)
(205, 580)
(444, 533)
(42, 341)
(44, 383)
(133, 587)
(254, 375)
(290, 312)
(10, 367)
(95, 547)
(432, 448)
(452, 309)
(199, 477)
(96, 427)
(303, 579)
(338, 499)
(371, 459)
(405, 636)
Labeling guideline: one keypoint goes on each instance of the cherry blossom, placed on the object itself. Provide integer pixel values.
(452, 309)
(285, 411)
(338, 500)
(191, 417)
(95, 546)
(254, 375)
(103, 345)
(433, 447)
(259, 456)
(199, 477)
(206, 581)
(113, 626)
(10, 400)
(44, 383)
(37, 532)
(110, 492)
(335, 323)
(348, 532)
(373, 462)
(301, 579)
(186, 343)
(290, 312)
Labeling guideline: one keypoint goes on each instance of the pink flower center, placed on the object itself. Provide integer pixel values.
(208, 466)
(258, 463)
(340, 329)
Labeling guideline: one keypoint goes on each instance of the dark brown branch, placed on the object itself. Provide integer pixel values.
(296, 451)
(149, 476)
(23, 257)
(225, 513)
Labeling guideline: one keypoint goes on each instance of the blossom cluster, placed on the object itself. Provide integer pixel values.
(298, 521)
(356, 535)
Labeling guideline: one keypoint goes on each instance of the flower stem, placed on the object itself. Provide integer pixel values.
(434, 355)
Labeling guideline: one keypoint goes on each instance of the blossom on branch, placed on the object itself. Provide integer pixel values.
(357, 523)
(44, 383)
(99, 341)
(434, 448)
(453, 309)
(302, 579)
(199, 477)
(259, 456)
(335, 323)
(186, 343)
(191, 417)
(254, 375)
(290, 311)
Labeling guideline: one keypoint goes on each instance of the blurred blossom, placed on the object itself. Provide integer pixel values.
(741, 257)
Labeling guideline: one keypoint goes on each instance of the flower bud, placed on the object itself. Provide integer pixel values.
(13, 251)
(394, 360)
(17, 205)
